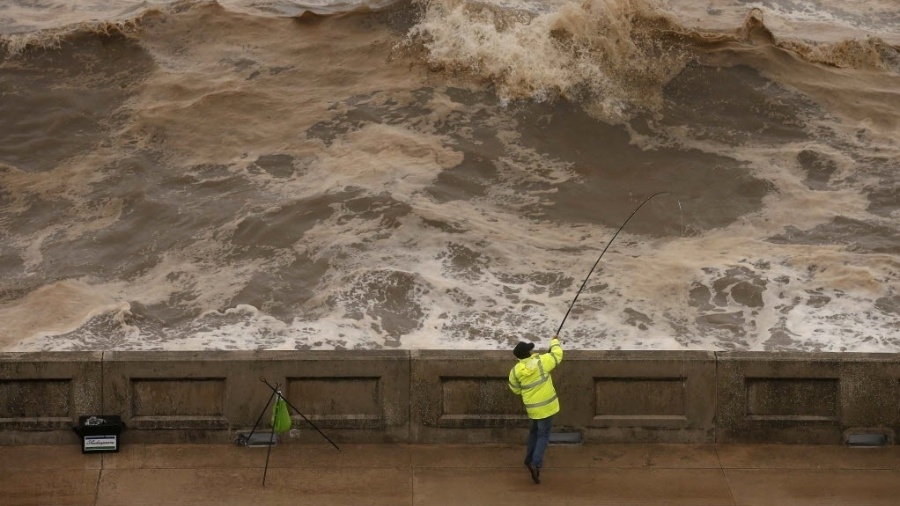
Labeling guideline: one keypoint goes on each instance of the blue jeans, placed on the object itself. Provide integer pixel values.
(538, 439)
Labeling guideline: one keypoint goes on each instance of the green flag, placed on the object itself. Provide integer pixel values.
(281, 418)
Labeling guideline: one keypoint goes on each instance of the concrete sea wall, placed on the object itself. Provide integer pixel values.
(424, 396)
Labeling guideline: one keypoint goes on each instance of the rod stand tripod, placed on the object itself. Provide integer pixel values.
(248, 439)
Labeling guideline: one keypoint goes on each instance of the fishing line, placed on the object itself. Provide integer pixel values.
(601, 256)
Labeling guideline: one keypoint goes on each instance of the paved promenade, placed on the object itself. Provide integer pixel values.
(448, 475)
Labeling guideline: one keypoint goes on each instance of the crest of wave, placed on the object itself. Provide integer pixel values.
(16, 44)
(871, 53)
(613, 56)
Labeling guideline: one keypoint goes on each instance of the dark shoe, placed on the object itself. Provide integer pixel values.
(535, 473)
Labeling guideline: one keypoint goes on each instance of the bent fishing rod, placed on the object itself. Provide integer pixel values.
(638, 208)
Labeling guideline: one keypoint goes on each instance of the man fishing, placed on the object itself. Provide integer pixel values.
(530, 378)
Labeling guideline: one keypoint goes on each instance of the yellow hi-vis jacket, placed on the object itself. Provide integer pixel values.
(530, 378)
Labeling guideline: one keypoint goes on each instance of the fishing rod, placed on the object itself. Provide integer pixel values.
(601, 256)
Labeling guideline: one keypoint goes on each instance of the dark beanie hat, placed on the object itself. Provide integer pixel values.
(523, 350)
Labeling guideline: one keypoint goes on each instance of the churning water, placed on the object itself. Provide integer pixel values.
(354, 174)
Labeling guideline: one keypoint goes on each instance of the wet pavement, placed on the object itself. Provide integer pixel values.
(447, 475)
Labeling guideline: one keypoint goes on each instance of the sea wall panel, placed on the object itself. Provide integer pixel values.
(464, 398)
(813, 398)
(351, 396)
(42, 394)
(177, 396)
(652, 396)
